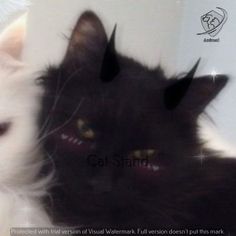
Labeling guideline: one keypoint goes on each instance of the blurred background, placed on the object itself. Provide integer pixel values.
(152, 31)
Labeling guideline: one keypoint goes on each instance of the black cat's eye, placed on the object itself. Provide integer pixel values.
(4, 127)
(142, 154)
(84, 130)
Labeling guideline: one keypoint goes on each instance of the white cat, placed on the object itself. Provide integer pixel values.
(20, 162)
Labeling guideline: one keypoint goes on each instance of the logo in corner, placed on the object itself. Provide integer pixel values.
(212, 22)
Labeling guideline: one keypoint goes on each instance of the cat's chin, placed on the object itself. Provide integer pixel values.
(149, 170)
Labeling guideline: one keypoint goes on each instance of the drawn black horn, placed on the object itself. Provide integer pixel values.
(110, 66)
(175, 92)
(192, 72)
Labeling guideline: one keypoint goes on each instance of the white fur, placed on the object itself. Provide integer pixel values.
(20, 159)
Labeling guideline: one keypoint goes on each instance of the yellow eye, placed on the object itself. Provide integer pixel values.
(137, 154)
(150, 152)
(142, 154)
(85, 131)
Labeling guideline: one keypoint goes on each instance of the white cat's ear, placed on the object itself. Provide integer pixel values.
(12, 38)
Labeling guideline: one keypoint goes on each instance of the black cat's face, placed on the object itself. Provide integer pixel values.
(132, 126)
(122, 119)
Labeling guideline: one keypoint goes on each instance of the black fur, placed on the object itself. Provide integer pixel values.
(126, 114)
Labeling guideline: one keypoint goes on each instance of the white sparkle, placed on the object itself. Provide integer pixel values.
(214, 74)
(201, 156)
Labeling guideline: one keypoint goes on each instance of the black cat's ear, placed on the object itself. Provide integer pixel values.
(88, 37)
(201, 92)
(110, 66)
(176, 91)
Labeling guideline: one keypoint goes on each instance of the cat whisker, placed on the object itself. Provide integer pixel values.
(57, 98)
(49, 115)
(65, 123)
(46, 125)
(63, 87)
(64, 36)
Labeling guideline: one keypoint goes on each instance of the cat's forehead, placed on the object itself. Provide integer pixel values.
(132, 75)
(133, 86)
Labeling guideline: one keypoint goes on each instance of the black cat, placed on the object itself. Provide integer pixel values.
(124, 141)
